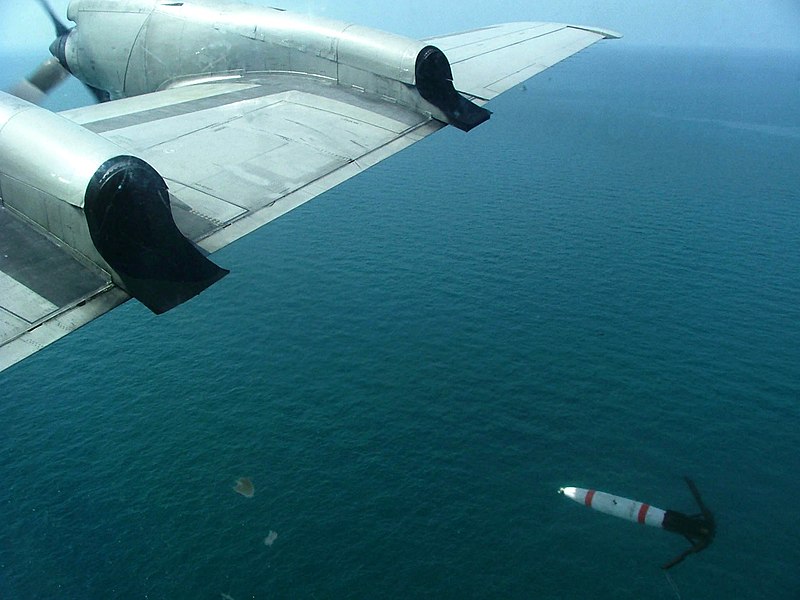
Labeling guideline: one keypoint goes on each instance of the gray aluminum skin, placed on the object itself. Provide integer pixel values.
(132, 47)
(46, 163)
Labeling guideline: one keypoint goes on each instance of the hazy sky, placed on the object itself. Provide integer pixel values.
(717, 23)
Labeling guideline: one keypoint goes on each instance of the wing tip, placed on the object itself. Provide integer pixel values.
(607, 34)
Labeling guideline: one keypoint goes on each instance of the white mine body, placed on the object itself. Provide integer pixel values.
(624, 508)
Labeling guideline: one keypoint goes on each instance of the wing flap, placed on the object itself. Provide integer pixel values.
(23, 303)
(58, 324)
(45, 290)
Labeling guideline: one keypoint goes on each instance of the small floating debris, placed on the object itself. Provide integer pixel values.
(244, 487)
(270, 539)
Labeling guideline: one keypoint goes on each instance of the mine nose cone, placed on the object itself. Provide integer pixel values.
(569, 492)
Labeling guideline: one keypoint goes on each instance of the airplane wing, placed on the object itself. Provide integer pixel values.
(237, 154)
(488, 61)
(239, 151)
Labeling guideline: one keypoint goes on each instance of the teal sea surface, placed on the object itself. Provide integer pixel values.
(599, 287)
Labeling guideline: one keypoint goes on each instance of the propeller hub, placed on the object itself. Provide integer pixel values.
(59, 49)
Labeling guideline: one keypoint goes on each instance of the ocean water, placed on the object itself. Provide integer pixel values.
(600, 287)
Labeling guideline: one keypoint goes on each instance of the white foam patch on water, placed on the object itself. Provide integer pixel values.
(763, 128)
(270, 539)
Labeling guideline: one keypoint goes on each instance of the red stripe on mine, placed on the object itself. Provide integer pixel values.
(643, 513)
(589, 496)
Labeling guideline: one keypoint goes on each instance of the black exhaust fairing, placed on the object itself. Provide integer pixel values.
(434, 81)
(131, 224)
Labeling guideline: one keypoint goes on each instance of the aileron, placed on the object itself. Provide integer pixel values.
(489, 61)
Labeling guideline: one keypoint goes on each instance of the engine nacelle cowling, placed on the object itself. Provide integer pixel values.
(110, 208)
(132, 47)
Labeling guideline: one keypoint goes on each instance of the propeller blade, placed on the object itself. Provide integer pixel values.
(39, 83)
(61, 29)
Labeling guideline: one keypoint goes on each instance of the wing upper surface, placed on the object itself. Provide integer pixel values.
(238, 154)
(488, 61)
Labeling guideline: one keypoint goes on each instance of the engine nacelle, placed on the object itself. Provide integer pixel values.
(46, 163)
(110, 208)
(131, 47)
